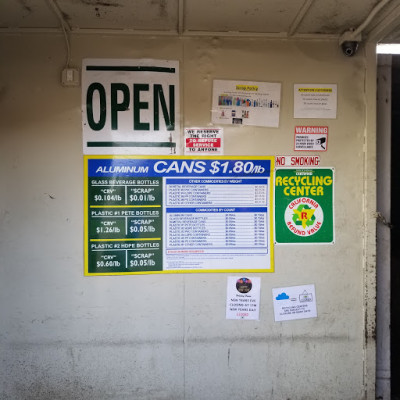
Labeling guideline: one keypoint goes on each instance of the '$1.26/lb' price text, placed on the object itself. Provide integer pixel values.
(239, 167)
(108, 229)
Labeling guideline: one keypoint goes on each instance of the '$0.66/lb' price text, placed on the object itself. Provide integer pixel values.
(239, 167)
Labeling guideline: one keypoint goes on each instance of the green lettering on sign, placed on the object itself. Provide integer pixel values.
(96, 86)
(159, 98)
(115, 106)
(138, 105)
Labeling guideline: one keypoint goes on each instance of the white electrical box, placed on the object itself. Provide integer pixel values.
(70, 77)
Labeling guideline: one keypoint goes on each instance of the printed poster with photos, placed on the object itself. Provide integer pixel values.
(246, 103)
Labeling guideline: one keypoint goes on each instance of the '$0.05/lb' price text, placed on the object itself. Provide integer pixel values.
(239, 167)
(141, 229)
(142, 263)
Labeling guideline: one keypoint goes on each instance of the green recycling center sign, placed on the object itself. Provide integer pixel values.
(304, 205)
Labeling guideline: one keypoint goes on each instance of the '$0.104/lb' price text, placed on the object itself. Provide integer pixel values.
(238, 167)
(107, 197)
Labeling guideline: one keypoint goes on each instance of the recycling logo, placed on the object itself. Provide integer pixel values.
(304, 216)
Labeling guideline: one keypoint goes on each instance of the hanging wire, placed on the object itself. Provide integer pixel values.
(65, 28)
(378, 7)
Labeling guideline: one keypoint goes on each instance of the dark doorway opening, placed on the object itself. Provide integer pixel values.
(395, 231)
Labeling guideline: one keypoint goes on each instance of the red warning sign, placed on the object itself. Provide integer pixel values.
(200, 142)
(203, 140)
(310, 138)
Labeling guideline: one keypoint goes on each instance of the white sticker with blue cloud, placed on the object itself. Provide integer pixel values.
(294, 302)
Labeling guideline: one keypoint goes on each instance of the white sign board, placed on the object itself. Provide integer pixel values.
(315, 101)
(243, 298)
(294, 302)
(130, 106)
(203, 141)
(246, 103)
(310, 138)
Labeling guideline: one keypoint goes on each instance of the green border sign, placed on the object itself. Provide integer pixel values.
(304, 205)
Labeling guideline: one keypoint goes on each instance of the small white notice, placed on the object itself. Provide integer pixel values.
(294, 302)
(243, 298)
(315, 101)
(203, 141)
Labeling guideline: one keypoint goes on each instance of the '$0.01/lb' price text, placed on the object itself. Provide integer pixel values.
(141, 197)
(239, 167)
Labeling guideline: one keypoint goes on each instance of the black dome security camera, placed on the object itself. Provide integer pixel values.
(349, 42)
(349, 48)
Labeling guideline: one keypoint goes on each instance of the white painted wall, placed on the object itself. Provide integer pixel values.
(64, 336)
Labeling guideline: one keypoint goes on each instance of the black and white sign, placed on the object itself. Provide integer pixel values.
(130, 106)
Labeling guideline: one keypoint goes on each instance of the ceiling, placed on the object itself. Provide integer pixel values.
(377, 20)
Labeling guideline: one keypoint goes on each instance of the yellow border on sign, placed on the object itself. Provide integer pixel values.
(192, 271)
(122, 206)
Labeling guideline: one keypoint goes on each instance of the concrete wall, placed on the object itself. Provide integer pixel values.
(67, 336)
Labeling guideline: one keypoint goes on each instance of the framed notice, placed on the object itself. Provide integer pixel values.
(304, 205)
(177, 214)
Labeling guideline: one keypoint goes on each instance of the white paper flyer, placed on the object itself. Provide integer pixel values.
(243, 298)
(294, 302)
(246, 103)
